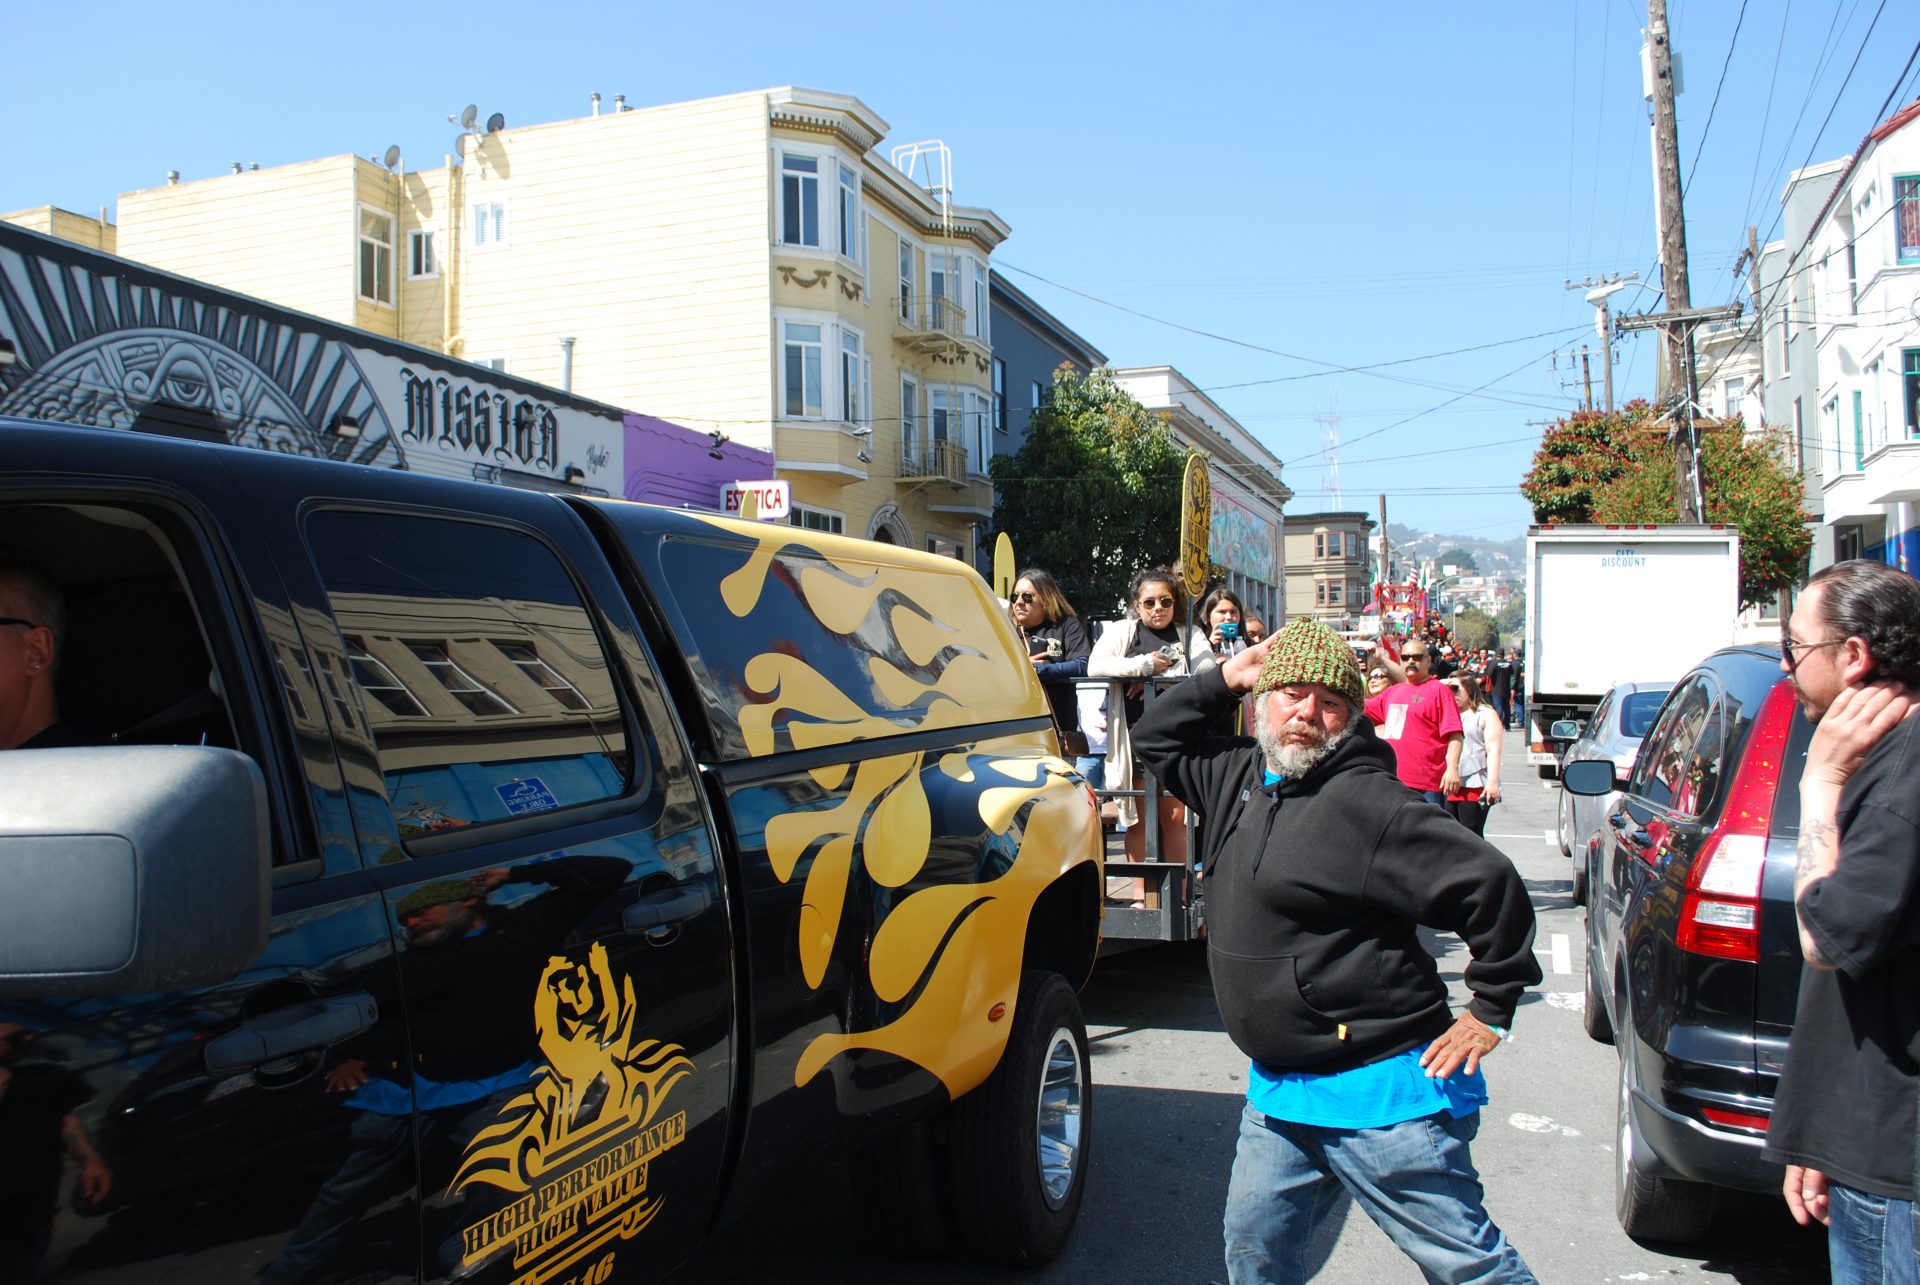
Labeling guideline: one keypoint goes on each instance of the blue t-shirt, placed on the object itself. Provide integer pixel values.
(1381, 1093)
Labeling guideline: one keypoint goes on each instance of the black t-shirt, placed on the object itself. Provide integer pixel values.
(1502, 675)
(1146, 641)
(1846, 1097)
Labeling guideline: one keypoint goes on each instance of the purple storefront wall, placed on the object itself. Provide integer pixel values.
(671, 465)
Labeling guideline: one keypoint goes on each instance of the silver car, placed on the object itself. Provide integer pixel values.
(1613, 733)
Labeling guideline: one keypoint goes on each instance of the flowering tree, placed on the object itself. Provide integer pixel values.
(1594, 467)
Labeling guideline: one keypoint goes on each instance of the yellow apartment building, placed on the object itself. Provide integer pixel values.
(748, 265)
(1329, 572)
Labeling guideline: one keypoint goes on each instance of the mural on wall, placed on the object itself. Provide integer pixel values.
(107, 343)
(1243, 540)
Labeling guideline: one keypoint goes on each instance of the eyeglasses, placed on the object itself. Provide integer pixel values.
(15, 620)
(1156, 602)
(1026, 597)
(1413, 655)
(1788, 646)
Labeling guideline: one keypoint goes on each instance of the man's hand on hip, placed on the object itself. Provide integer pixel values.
(1467, 1041)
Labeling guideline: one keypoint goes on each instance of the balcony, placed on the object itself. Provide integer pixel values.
(1893, 470)
(933, 326)
(925, 459)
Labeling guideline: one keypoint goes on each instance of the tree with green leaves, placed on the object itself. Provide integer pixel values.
(1474, 628)
(1459, 558)
(1598, 467)
(1094, 494)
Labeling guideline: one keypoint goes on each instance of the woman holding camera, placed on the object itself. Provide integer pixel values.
(1153, 641)
(1057, 644)
(1222, 616)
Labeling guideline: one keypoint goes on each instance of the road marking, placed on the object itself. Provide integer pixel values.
(1572, 1001)
(1541, 1124)
(1558, 952)
(1550, 838)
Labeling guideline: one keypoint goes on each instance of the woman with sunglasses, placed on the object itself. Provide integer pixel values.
(1057, 644)
(1154, 641)
(1480, 735)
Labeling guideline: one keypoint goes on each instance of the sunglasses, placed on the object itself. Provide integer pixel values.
(1156, 602)
(1788, 646)
(1026, 597)
(1413, 655)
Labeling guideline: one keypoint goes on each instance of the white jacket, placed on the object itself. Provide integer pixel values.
(1110, 661)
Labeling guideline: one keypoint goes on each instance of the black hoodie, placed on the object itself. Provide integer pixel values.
(1315, 886)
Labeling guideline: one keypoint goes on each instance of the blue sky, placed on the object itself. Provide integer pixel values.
(1314, 186)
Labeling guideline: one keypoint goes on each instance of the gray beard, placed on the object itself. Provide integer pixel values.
(1294, 761)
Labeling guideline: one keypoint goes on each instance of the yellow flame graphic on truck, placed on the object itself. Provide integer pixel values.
(954, 948)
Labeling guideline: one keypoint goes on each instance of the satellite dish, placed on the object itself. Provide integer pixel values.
(468, 115)
(392, 158)
(496, 123)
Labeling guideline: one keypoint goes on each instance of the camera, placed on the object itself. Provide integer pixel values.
(1171, 651)
(1229, 629)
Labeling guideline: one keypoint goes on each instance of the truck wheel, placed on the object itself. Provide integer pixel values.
(1667, 1210)
(1017, 1146)
(1548, 771)
(901, 1186)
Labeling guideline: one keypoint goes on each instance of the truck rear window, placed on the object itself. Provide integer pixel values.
(800, 641)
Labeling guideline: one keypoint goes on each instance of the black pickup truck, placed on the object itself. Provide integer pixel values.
(429, 881)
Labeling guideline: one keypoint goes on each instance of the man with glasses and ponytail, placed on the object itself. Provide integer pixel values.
(33, 620)
(1843, 1120)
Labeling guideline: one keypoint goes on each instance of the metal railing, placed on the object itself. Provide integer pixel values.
(925, 456)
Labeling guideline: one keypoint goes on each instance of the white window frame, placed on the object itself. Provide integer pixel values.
(982, 415)
(487, 220)
(834, 522)
(850, 242)
(383, 252)
(939, 416)
(420, 239)
(999, 395)
(805, 188)
(981, 295)
(907, 289)
(816, 408)
(909, 417)
(854, 374)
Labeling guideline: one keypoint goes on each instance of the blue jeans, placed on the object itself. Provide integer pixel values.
(1416, 1180)
(1869, 1237)
(1435, 796)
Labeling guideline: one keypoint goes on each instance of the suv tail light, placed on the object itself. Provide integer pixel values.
(1720, 914)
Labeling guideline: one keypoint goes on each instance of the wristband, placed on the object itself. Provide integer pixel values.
(1501, 1031)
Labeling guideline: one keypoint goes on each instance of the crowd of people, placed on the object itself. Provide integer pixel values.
(1446, 737)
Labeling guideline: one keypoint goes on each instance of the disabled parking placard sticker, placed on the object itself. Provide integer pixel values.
(527, 794)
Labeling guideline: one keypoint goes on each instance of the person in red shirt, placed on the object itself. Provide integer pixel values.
(1418, 718)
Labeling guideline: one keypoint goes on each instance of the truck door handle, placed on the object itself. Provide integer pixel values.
(300, 1028)
(668, 906)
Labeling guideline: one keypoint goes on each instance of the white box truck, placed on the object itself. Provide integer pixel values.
(1616, 604)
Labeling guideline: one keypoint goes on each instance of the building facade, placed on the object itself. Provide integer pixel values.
(747, 266)
(1843, 357)
(1249, 495)
(1029, 345)
(1329, 567)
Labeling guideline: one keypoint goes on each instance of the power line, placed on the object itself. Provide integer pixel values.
(1707, 129)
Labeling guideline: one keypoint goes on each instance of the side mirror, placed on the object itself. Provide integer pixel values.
(1566, 729)
(130, 868)
(1590, 778)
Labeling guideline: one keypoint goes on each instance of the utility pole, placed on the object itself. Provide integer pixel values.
(1586, 376)
(1599, 291)
(1680, 393)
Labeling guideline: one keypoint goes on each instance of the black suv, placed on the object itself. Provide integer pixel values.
(1693, 958)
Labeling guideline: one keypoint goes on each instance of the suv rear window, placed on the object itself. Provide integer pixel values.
(477, 667)
(798, 647)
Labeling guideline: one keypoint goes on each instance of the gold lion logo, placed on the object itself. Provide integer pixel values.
(578, 1141)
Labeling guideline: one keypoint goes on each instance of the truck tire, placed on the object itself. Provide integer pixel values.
(1665, 1210)
(1018, 1146)
(901, 1186)
(1548, 771)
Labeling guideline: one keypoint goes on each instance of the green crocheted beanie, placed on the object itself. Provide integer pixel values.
(1306, 651)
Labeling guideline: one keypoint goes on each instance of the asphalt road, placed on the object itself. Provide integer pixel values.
(1169, 1087)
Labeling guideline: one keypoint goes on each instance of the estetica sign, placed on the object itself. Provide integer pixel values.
(769, 500)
